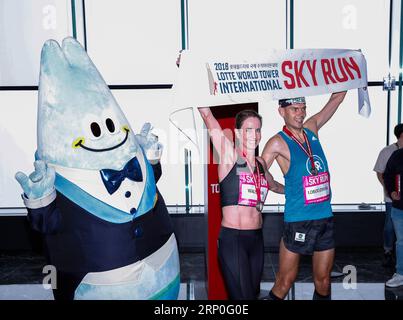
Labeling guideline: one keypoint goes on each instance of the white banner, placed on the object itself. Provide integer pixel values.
(219, 80)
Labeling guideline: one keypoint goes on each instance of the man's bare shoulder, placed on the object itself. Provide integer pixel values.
(274, 147)
(275, 143)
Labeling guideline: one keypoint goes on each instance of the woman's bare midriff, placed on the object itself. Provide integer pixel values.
(241, 217)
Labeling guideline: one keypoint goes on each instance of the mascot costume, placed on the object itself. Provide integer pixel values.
(93, 193)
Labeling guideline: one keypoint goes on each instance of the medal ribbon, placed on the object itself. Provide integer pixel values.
(256, 183)
(307, 152)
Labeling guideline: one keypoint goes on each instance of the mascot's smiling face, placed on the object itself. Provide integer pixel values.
(80, 124)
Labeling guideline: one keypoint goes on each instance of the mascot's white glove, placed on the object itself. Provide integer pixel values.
(39, 184)
(149, 142)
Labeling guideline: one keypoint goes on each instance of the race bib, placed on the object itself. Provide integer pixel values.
(316, 188)
(247, 189)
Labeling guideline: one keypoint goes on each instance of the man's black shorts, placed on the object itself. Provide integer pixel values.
(305, 237)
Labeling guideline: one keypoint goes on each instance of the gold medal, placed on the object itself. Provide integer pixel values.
(314, 171)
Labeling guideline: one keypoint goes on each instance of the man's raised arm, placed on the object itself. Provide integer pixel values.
(318, 120)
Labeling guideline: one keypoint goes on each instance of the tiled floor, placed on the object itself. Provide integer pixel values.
(367, 263)
(21, 276)
(362, 291)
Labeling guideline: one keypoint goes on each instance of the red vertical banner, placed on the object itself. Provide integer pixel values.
(225, 115)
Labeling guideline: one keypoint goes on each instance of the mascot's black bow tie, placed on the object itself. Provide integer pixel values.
(112, 179)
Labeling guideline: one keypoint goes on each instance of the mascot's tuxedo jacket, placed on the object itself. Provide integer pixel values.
(79, 242)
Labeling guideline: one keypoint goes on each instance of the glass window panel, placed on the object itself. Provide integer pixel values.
(227, 24)
(24, 26)
(350, 24)
(394, 114)
(134, 42)
(17, 142)
(352, 144)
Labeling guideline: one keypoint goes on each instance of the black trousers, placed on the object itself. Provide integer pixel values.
(241, 257)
